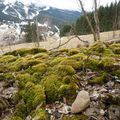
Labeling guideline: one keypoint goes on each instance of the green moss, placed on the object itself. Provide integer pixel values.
(73, 51)
(67, 79)
(34, 95)
(23, 52)
(57, 60)
(75, 117)
(64, 50)
(40, 114)
(68, 91)
(51, 84)
(15, 118)
(71, 62)
(65, 70)
(3, 104)
(79, 56)
(41, 68)
(99, 80)
(116, 73)
(109, 63)
(24, 78)
(23, 63)
(91, 63)
(41, 56)
(116, 48)
(20, 111)
(7, 59)
(97, 48)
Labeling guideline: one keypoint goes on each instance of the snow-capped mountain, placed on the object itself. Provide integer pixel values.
(18, 11)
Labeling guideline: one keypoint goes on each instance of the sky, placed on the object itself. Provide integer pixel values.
(66, 4)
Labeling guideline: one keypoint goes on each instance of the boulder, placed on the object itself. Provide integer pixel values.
(81, 102)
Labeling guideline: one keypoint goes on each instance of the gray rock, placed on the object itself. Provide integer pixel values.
(81, 102)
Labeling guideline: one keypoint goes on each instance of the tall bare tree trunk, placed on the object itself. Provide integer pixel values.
(97, 23)
(115, 21)
(37, 32)
(88, 21)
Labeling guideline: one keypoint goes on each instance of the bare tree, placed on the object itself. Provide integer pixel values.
(115, 21)
(96, 18)
(96, 32)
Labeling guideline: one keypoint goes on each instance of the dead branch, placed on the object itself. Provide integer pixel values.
(60, 45)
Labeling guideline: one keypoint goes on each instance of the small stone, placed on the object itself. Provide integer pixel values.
(81, 102)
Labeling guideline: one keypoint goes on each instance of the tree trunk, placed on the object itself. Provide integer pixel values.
(88, 21)
(97, 26)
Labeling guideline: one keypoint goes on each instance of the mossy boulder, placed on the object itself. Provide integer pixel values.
(101, 79)
(73, 51)
(40, 114)
(22, 64)
(64, 50)
(34, 95)
(91, 63)
(109, 63)
(7, 58)
(68, 91)
(64, 70)
(67, 79)
(20, 111)
(24, 78)
(71, 62)
(15, 118)
(41, 68)
(79, 56)
(57, 60)
(116, 48)
(41, 56)
(23, 52)
(51, 84)
(97, 48)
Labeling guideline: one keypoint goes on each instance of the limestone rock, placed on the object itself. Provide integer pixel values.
(81, 102)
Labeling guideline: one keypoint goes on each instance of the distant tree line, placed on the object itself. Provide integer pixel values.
(109, 17)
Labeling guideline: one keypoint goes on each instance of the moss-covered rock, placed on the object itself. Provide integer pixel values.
(41, 68)
(24, 78)
(51, 84)
(63, 70)
(73, 51)
(67, 79)
(7, 58)
(68, 91)
(34, 95)
(23, 52)
(15, 118)
(23, 63)
(109, 63)
(91, 63)
(71, 62)
(97, 48)
(79, 56)
(57, 60)
(99, 80)
(40, 114)
(64, 50)
(41, 56)
(116, 48)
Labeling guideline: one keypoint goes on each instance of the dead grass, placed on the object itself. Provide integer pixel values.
(52, 43)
